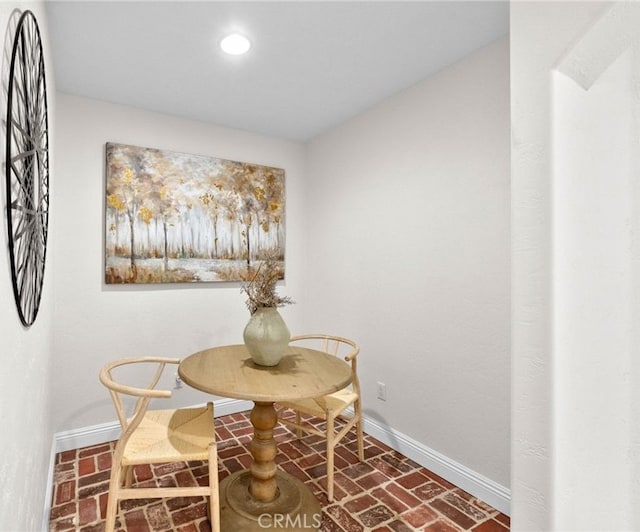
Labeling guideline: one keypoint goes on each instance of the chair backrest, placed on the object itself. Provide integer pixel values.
(336, 346)
(144, 395)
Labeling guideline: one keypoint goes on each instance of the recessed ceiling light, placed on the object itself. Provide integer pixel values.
(235, 44)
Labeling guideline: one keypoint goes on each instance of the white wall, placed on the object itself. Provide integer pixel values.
(25, 445)
(408, 209)
(96, 323)
(594, 212)
(397, 236)
(576, 296)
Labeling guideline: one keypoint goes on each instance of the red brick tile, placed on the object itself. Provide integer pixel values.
(343, 519)
(360, 503)
(191, 527)
(87, 511)
(222, 433)
(385, 467)
(66, 492)
(319, 471)
(230, 451)
(66, 456)
(291, 451)
(386, 493)
(403, 495)
(91, 491)
(132, 504)
(245, 460)
(358, 470)
(372, 480)
(420, 516)
(347, 485)
(382, 446)
(340, 463)
(62, 524)
(428, 491)
(400, 526)
(189, 514)
(439, 479)
(166, 469)
(188, 528)
(312, 460)
(441, 526)
(86, 466)
(463, 494)
(348, 456)
(490, 526)
(243, 431)
(157, 517)
(96, 478)
(91, 451)
(142, 472)
(103, 500)
(301, 446)
(93, 528)
(136, 521)
(185, 478)
(177, 503)
(397, 463)
(504, 519)
(293, 469)
(412, 480)
(371, 451)
(389, 500)
(452, 513)
(104, 461)
(63, 511)
(375, 516)
(233, 465)
(485, 507)
(465, 507)
(200, 471)
(64, 475)
(329, 525)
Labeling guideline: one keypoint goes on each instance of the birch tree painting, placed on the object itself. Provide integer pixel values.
(174, 217)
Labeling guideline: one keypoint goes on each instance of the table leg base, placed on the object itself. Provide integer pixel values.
(294, 509)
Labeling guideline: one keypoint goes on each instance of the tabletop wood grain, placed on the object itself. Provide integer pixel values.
(228, 371)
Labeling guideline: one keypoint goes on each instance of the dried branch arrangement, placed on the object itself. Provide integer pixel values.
(261, 289)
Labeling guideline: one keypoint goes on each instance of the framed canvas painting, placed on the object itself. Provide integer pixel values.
(179, 218)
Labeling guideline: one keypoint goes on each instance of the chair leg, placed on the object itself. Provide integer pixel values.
(112, 498)
(359, 430)
(128, 476)
(330, 448)
(214, 498)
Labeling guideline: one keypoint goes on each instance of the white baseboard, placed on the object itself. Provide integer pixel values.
(48, 490)
(477, 485)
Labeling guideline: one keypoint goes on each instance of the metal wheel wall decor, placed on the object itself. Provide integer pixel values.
(27, 167)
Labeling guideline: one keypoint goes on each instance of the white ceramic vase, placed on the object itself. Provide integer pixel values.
(266, 336)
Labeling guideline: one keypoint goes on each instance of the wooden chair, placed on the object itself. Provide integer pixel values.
(329, 407)
(156, 437)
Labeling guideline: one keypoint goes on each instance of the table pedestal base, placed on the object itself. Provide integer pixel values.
(294, 509)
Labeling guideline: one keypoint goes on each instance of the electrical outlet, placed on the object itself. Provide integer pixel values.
(382, 391)
(178, 384)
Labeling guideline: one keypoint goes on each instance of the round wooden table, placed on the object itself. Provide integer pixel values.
(262, 497)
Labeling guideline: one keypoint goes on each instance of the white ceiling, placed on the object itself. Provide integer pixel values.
(312, 65)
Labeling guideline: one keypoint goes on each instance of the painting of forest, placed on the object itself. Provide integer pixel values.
(173, 217)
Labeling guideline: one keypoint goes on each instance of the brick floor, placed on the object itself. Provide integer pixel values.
(386, 493)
